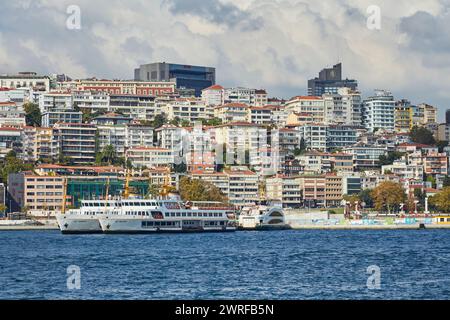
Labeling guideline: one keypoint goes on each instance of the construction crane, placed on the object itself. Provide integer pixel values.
(167, 186)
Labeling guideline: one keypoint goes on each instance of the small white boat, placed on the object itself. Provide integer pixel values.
(262, 217)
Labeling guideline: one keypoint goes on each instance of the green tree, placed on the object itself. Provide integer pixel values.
(366, 197)
(422, 135)
(442, 200)
(108, 155)
(387, 195)
(441, 145)
(12, 164)
(159, 121)
(185, 123)
(446, 181)
(197, 190)
(33, 116)
(390, 158)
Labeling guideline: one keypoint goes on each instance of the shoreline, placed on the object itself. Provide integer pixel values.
(296, 228)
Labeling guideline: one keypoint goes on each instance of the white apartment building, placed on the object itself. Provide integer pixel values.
(120, 87)
(261, 115)
(55, 101)
(11, 115)
(25, 80)
(189, 109)
(93, 101)
(76, 142)
(314, 135)
(149, 157)
(123, 137)
(351, 106)
(313, 106)
(404, 170)
(213, 96)
(238, 184)
(379, 111)
(238, 138)
(233, 112)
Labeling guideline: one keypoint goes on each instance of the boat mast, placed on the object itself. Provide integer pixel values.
(106, 195)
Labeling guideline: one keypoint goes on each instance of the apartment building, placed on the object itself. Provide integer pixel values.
(150, 157)
(119, 87)
(25, 80)
(213, 96)
(36, 193)
(77, 142)
(55, 101)
(93, 101)
(379, 111)
(11, 115)
(311, 105)
(50, 118)
(188, 109)
(137, 107)
(436, 163)
(261, 115)
(233, 112)
(10, 140)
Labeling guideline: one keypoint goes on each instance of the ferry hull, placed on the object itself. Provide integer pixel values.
(78, 225)
(131, 226)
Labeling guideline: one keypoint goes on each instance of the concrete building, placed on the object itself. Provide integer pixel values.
(213, 96)
(50, 118)
(55, 101)
(75, 141)
(36, 193)
(340, 136)
(379, 111)
(403, 116)
(232, 112)
(92, 101)
(25, 80)
(10, 140)
(121, 87)
(137, 107)
(351, 106)
(11, 115)
(329, 81)
(188, 109)
(184, 76)
(313, 106)
(150, 157)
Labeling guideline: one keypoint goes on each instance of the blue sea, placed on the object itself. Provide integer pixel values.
(243, 265)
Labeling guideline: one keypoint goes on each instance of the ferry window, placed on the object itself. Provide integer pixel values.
(442, 220)
(189, 214)
(184, 214)
(448, 219)
(194, 214)
(166, 214)
(178, 214)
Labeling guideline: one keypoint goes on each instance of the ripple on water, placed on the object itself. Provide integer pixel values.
(242, 265)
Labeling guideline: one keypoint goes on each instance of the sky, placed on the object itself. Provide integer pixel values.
(273, 44)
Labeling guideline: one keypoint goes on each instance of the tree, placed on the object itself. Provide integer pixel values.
(366, 197)
(390, 158)
(422, 135)
(446, 181)
(197, 190)
(301, 149)
(159, 121)
(185, 123)
(387, 195)
(107, 156)
(442, 200)
(13, 165)
(33, 116)
(441, 145)
(420, 196)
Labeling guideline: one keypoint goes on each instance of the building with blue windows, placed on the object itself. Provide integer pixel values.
(185, 76)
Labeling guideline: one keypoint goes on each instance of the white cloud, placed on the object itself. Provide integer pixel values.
(276, 44)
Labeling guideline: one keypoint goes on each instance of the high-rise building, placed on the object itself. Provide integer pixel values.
(379, 111)
(329, 81)
(403, 116)
(185, 76)
(447, 117)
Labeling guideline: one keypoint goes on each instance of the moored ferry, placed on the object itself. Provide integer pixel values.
(147, 216)
(157, 216)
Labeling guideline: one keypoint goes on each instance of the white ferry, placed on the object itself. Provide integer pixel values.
(146, 216)
(157, 216)
(85, 219)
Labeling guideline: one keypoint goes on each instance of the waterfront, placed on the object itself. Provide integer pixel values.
(311, 264)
